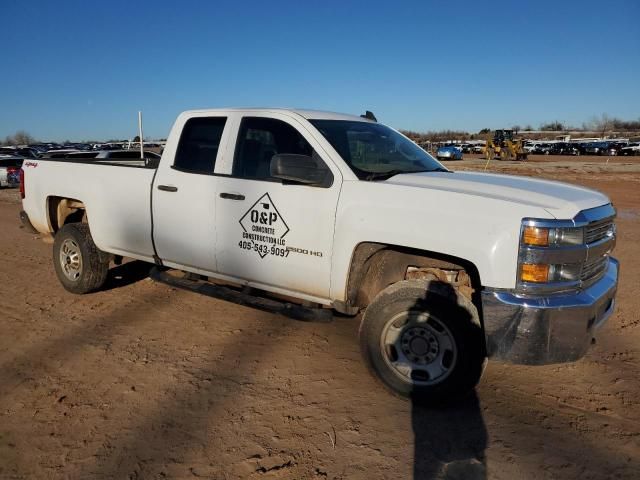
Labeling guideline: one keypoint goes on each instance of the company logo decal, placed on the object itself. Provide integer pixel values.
(264, 229)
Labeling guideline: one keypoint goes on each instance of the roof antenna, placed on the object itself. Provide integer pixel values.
(369, 115)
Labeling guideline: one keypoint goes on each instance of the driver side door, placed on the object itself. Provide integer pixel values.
(275, 234)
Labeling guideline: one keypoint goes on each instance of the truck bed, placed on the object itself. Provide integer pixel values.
(115, 191)
(137, 163)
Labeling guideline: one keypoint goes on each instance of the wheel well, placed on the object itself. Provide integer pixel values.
(375, 266)
(63, 210)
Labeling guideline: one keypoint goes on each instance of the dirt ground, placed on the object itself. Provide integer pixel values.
(145, 381)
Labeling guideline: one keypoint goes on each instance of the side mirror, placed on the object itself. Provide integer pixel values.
(300, 169)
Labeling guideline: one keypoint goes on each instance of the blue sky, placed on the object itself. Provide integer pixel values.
(79, 70)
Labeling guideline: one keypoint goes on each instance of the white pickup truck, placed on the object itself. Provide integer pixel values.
(339, 211)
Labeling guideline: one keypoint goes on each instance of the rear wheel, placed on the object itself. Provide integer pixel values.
(79, 265)
(423, 340)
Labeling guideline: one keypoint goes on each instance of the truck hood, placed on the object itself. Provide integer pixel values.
(561, 200)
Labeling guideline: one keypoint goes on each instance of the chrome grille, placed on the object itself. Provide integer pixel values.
(598, 230)
(593, 270)
(594, 232)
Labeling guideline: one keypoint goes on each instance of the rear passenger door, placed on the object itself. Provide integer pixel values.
(272, 233)
(184, 196)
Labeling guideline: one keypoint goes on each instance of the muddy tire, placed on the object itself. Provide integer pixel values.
(80, 266)
(423, 341)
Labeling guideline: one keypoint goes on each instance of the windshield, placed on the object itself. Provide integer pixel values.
(374, 151)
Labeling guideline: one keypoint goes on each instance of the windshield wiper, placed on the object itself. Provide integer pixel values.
(391, 173)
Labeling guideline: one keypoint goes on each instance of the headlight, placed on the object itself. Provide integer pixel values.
(550, 257)
(550, 273)
(536, 273)
(563, 255)
(547, 237)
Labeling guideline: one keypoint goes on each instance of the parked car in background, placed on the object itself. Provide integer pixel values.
(630, 149)
(479, 148)
(78, 146)
(24, 152)
(59, 153)
(39, 147)
(557, 149)
(614, 148)
(541, 149)
(581, 146)
(596, 148)
(108, 146)
(565, 149)
(466, 148)
(10, 170)
(28, 152)
(449, 152)
(8, 151)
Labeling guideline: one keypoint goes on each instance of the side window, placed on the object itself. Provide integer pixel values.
(259, 139)
(199, 143)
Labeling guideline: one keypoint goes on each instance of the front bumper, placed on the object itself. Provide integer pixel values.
(550, 329)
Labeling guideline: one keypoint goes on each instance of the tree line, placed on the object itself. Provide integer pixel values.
(19, 138)
(602, 125)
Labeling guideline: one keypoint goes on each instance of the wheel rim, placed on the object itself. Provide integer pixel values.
(419, 348)
(71, 259)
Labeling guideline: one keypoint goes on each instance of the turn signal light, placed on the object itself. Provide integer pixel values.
(536, 236)
(534, 273)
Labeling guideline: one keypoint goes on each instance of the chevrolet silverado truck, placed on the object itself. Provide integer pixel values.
(339, 211)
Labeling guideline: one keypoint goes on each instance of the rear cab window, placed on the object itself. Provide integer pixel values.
(199, 144)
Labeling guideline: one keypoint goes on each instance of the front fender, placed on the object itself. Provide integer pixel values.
(483, 231)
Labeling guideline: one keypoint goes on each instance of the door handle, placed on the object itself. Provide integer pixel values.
(232, 196)
(167, 188)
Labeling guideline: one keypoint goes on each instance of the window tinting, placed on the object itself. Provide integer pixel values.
(260, 139)
(199, 143)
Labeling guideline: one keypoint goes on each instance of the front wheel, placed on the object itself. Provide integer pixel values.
(423, 340)
(79, 265)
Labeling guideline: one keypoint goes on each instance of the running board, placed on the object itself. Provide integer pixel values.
(203, 287)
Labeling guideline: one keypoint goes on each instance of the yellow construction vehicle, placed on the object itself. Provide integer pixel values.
(505, 147)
